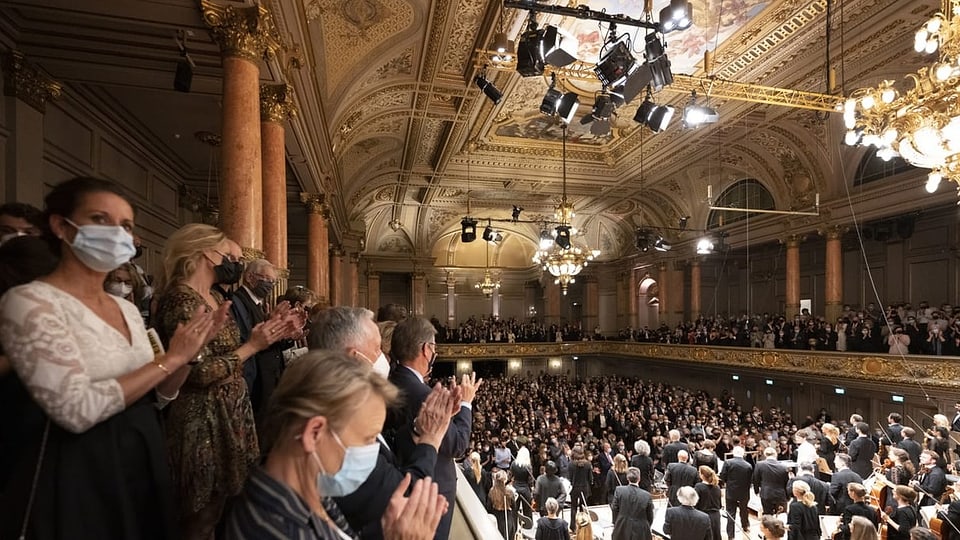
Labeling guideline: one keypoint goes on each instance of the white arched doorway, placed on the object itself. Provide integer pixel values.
(648, 303)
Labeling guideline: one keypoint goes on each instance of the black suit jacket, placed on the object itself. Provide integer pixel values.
(933, 482)
(862, 450)
(687, 523)
(679, 475)
(856, 509)
(632, 510)
(912, 448)
(894, 433)
(262, 371)
(737, 476)
(820, 490)
(838, 488)
(364, 507)
(670, 452)
(455, 442)
(770, 480)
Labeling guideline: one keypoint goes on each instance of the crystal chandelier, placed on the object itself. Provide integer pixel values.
(923, 124)
(565, 258)
(488, 285)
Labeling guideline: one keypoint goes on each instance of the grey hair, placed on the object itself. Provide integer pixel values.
(409, 336)
(551, 505)
(633, 475)
(683, 455)
(338, 328)
(256, 266)
(738, 451)
(688, 496)
(642, 447)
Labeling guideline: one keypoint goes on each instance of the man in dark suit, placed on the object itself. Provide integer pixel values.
(632, 509)
(736, 476)
(931, 479)
(686, 522)
(851, 433)
(249, 308)
(819, 488)
(770, 482)
(414, 347)
(353, 331)
(861, 451)
(679, 474)
(672, 448)
(894, 430)
(911, 446)
(841, 478)
(858, 507)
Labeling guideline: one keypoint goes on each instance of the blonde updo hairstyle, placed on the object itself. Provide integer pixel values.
(183, 250)
(321, 383)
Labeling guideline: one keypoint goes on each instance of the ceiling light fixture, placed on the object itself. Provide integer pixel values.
(567, 107)
(695, 115)
(530, 61)
(488, 88)
(552, 98)
(616, 62)
(515, 214)
(922, 124)
(677, 16)
(566, 259)
(656, 117)
(488, 286)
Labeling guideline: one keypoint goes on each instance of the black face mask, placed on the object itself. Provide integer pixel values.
(433, 360)
(228, 272)
(262, 288)
(138, 253)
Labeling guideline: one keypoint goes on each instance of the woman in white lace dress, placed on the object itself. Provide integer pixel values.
(91, 462)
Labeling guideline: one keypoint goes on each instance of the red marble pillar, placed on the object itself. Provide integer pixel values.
(792, 304)
(317, 246)
(694, 289)
(276, 105)
(833, 293)
(336, 277)
(353, 281)
(373, 291)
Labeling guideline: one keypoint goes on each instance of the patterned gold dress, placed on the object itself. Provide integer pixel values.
(211, 437)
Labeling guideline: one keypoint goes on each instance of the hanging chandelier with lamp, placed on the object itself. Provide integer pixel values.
(566, 257)
(921, 125)
(488, 285)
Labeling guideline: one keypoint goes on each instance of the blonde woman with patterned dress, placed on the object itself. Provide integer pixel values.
(210, 428)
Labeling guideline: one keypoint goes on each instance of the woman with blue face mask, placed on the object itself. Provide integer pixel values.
(90, 459)
(321, 434)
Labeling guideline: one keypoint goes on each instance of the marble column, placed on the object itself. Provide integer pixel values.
(495, 304)
(792, 304)
(451, 283)
(633, 284)
(373, 290)
(551, 304)
(337, 296)
(353, 280)
(276, 105)
(245, 35)
(663, 285)
(318, 246)
(833, 273)
(27, 92)
(623, 307)
(419, 290)
(694, 289)
(591, 300)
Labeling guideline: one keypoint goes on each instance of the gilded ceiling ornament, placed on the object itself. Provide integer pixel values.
(246, 32)
(24, 81)
(276, 103)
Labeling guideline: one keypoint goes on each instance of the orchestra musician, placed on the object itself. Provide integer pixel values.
(839, 482)
(830, 444)
(931, 480)
(862, 451)
(858, 507)
(904, 517)
(912, 447)
(949, 511)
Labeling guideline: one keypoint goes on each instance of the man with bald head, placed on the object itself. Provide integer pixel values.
(679, 474)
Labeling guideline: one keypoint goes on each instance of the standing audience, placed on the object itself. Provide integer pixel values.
(632, 509)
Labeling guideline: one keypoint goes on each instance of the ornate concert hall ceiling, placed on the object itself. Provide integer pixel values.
(392, 128)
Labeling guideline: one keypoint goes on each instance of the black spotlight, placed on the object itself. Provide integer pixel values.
(677, 16)
(568, 106)
(516, 212)
(660, 74)
(683, 222)
(643, 240)
(654, 47)
(616, 63)
(660, 118)
(488, 234)
(563, 236)
(468, 230)
(530, 61)
(603, 107)
(644, 111)
(489, 89)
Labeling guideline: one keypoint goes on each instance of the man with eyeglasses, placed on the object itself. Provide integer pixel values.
(414, 347)
(249, 308)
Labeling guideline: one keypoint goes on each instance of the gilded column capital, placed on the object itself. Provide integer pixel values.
(252, 254)
(354, 258)
(337, 251)
(245, 32)
(694, 261)
(316, 204)
(283, 273)
(276, 103)
(792, 240)
(24, 81)
(833, 232)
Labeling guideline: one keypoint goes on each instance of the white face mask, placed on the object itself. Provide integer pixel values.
(102, 248)
(381, 366)
(118, 288)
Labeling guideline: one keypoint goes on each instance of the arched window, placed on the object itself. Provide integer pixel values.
(872, 168)
(746, 193)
